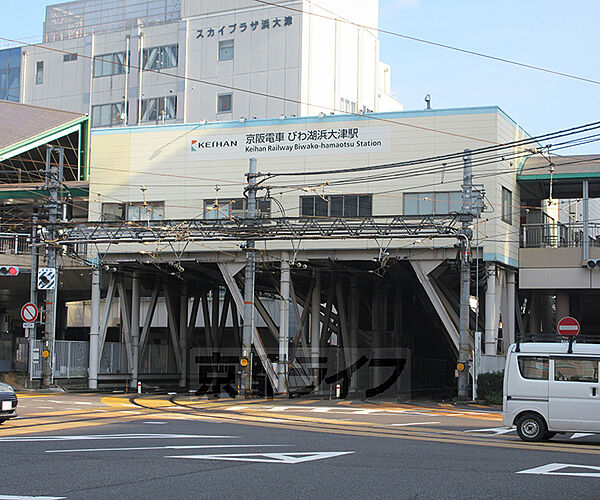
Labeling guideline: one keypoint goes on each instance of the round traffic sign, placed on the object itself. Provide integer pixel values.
(568, 327)
(29, 312)
(46, 353)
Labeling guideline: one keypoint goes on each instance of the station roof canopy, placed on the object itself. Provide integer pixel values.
(565, 173)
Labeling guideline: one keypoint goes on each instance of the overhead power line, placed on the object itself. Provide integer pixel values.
(435, 44)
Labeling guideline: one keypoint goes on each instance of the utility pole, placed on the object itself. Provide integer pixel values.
(246, 359)
(33, 287)
(464, 245)
(54, 175)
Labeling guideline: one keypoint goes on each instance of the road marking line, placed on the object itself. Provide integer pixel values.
(17, 497)
(95, 437)
(273, 458)
(554, 470)
(578, 435)
(82, 403)
(413, 423)
(156, 423)
(170, 447)
(496, 431)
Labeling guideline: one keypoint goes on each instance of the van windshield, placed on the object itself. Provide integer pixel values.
(533, 367)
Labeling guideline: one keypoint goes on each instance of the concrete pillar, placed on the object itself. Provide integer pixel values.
(548, 326)
(491, 321)
(94, 331)
(354, 320)
(509, 321)
(183, 334)
(586, 220)
(284, 319)
(315, 328)
(135, 328)
(562, 305)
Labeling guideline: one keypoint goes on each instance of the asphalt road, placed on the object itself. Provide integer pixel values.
(88, 446)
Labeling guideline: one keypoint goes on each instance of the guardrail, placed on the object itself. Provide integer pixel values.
(557, 235)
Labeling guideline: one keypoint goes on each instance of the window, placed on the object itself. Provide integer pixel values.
(109, 64)
(347, 205)
(10, 74)
(226, 50)
(506, 205)
(237, 207)
(69, 57)
(107, 115)
(432, 203)
(134, 211)
(224, 103)
(347, 106)
(533, 367)
(39, 72)
(159, 108)
(157, 58)
(576, 370)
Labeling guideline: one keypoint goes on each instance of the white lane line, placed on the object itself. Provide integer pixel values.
(412, 423)
(555, 468)
(54, 401)
(82, 403)
(95, 437)
(156, 423)
(273, 458)
(578, 435)
(17, 497)
(495, 431)
(172, 447)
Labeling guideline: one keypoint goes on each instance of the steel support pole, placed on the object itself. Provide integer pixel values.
(94, 331)
(464, 339)
(315, 329)
(135, 329)
(586, 220)
(490, 310)
(509, 321)
(33, 296)
(284, 323)
(246, 379)
(183, 334)
(54, 180)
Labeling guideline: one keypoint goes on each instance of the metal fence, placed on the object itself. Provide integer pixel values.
(72, 359)
(557, 235)
(14, 244)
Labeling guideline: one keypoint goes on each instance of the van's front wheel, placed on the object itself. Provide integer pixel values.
(531, 428)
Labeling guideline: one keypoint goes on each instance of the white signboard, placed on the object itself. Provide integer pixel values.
(310, 141)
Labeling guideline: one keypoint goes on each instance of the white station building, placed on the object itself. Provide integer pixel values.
(139, 62)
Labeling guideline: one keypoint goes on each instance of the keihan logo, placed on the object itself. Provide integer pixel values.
(200, 145)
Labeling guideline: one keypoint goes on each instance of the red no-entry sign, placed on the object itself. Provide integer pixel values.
(29, 312)
(568, 327)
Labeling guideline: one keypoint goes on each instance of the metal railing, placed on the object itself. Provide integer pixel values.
(557, 235)
(14, 244)
(72, 359)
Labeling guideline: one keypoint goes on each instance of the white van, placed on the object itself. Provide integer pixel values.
(549, 391)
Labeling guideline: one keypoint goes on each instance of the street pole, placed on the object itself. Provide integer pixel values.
(54, 181)
(246, 380)
(464, 245)
(33, 288)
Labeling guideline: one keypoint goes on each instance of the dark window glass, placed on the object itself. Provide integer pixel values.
(506, 205)
(336, 206)
(224, 103)
(350, 205)
(365, 205)
(533, 367)
(4, 59)
(576, 370)
(113, 212)
(14, 58)
(320, 207)
(39, 72)
(307, 206)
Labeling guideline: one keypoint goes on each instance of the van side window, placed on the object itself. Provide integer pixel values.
(533, 367)
(575, 370)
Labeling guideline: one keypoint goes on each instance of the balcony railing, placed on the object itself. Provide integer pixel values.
(14, 244)
(558, 235)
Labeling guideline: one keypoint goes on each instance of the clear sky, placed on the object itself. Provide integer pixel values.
(555, 34)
